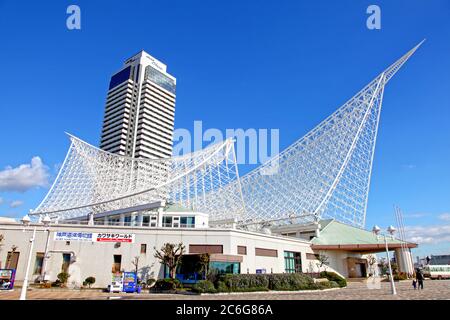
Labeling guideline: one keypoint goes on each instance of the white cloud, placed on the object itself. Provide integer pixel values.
(415, 215)
(428, 234)
(409, 166)
(444, 216)
(25, 176)
(16, 203)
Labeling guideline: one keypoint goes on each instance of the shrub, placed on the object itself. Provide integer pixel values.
(63, 277)
(212, 275)
(150, 282)
(264, 282)
(333, 284)
(221, 287)
(167, 284)
(244, 282)
(57, 283)
(331, 276)
(400, 276)
(327, 285)
(204, 286)
(89, 281)
(290, 281)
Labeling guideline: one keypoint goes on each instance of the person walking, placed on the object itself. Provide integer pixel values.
(419, 278)
(414, 283)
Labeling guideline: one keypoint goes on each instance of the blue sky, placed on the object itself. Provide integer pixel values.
(239, 64)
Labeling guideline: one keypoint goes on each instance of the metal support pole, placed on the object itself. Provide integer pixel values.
(394, 291)
(44, 262)
(23, 293)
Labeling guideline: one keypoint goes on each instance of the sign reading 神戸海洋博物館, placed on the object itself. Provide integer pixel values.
(73, 236)
(94, 237)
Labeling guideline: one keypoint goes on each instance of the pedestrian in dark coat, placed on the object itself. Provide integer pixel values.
(419, 278)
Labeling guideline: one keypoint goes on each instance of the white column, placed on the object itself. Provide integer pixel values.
(140, 219)
(122, 219)
(133, 221)
(105, 220)
(160, 217)
(404, 260)
(91, 219)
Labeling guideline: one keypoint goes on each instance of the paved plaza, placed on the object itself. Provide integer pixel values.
(434, 290)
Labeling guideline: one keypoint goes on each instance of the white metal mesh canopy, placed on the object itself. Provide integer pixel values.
(92, 181)
(325, 174)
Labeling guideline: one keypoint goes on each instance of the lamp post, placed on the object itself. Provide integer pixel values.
(26, 222)
(391, 231)
(46, 220)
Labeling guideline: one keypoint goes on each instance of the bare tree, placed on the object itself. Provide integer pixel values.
(322, 261)
(372, 261)
(203, 263)
(170, 255)
(135, 263)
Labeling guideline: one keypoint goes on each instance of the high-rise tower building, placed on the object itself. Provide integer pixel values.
(140, 109)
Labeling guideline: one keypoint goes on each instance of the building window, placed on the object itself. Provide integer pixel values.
(160, 79)
(205, 248)
(143, 248)
(176, 222)
(120, 77)
(290, 234)
(242, 250)
(262, 252)
(167, 222)
(187, 222)
(12, 260)
(38, 263)
(145, 221)
(153, 221)
(65, 263)
(117, 264)
(225, 267)
(292, 262)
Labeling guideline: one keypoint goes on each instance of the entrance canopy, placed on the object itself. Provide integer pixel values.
(335, 235)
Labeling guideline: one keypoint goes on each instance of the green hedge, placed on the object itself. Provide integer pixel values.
(244, 282)
(327, 285)
(291, 281)
(400, 276)
(261, 282)
(167, 284)
(204, 286)
(334, 277)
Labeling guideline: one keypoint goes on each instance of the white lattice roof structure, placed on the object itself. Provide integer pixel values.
(325, 174)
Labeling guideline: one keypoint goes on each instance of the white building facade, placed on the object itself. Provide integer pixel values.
(83, 251)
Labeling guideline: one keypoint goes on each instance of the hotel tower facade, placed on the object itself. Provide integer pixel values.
(140, 109)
